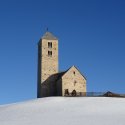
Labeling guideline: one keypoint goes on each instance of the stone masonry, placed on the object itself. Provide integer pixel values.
(50, 82)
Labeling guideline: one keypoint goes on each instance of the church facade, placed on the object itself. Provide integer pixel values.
(50, 82)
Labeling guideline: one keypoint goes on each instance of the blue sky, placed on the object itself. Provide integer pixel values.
(91, 36)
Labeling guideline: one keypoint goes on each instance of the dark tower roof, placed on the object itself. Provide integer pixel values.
(49, 36)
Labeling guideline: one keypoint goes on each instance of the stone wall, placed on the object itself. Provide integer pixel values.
(49, 64)
(73, 80)
(50, 83)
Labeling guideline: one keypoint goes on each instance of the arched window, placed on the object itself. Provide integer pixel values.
(50, 53)
(49, 44)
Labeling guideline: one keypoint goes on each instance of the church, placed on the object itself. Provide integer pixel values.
(50, 81)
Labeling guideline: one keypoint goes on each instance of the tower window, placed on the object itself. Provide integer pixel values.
(49, 44)
(74, 72)
(50, 53)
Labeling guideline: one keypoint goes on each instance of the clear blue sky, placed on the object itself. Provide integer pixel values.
(91, 36)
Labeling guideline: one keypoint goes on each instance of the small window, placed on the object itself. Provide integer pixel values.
(49, 44)
(74, 72)
(75, 82)
(50, 53)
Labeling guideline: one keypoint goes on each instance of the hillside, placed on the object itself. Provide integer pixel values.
(65, 111)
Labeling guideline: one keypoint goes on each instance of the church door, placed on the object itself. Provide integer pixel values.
(66, 92)
(74, 93)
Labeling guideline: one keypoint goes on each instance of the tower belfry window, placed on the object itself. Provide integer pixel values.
(50, 53)
(49, 44)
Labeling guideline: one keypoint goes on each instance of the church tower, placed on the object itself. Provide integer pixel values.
(47, 59)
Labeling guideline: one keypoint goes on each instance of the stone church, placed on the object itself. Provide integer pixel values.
(51, 82)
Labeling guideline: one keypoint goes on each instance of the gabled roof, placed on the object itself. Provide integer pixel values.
(59, 75)
(49, 36)
(80, 72)
(111, 94)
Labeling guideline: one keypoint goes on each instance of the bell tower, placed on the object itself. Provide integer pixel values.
(47, 59)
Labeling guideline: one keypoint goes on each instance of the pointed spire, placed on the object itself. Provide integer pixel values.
(49, 36)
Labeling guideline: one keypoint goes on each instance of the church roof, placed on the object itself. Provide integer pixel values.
(49, 36)
(59, 75)
(80, 72)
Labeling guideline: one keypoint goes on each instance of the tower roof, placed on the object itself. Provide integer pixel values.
(49, 36)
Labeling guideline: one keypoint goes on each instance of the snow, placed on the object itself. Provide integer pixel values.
(65, 111)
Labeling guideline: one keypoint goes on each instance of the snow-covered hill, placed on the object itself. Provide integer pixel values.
(65, 111)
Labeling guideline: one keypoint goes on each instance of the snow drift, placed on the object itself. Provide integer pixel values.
(65, 111)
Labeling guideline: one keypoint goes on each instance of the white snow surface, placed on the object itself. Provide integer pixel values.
(65, 111)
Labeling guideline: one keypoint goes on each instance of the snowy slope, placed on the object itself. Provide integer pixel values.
(65, 111)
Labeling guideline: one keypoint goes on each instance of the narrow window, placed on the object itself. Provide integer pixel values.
(75, 82)
(74, 72)
(50, 53)
(49, 44)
